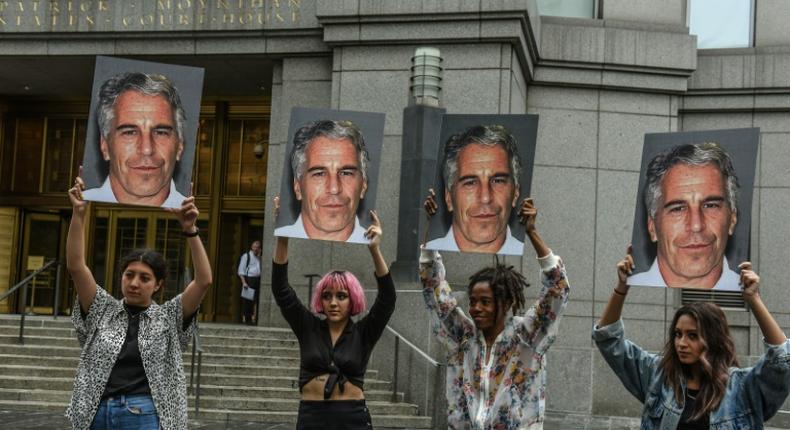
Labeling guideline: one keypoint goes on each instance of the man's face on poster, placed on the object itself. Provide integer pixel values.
(692, 224)
(481, 197)
(142, 147)
(330, 188)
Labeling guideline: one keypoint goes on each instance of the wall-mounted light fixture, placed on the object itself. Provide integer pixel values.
(426, 76)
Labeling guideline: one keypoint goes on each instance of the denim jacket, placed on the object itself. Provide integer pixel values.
(753, 394)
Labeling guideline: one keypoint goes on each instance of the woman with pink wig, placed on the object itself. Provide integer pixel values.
(334, 349)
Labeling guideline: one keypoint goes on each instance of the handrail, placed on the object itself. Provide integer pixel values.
(398, 339)
(196, 347)
(427, 357)
(27, 279)
(23, 285)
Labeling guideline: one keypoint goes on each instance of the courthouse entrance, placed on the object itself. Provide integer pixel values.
(42, 142)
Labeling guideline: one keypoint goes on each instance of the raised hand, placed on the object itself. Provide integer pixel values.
(75, 195)
(373, 233)
(187, 214)
(430, 203)
(527, 214)
(625, 268)
(750, 282)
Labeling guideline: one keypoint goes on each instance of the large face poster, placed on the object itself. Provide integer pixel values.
(141, 132)
(484, 173)
(693, 211)
(331, 174)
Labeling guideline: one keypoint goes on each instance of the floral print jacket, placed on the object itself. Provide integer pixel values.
(509, 390)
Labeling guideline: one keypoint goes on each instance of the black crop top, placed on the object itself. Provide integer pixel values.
(348, 359)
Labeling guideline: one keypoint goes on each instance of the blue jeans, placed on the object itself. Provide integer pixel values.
(126, 412)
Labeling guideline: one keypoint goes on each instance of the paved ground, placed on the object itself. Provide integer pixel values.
(554, 421)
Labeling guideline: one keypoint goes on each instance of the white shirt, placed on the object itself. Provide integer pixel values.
(105, 194)
(250, 265)
(512, 246)
(297, 230)
(729, 280)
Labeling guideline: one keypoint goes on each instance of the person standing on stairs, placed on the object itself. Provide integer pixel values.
(130, 373)
(334, 349)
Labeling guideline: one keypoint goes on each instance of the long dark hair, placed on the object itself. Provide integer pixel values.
(718, 355)
(506, 284)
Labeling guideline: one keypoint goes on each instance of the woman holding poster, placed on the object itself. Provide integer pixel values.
(696, 382)
(130, 373)
(334, 349)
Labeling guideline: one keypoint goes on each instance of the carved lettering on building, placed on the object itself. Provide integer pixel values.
(136, 15)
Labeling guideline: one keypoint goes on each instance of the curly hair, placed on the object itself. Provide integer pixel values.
(506, 284)
(718, 355)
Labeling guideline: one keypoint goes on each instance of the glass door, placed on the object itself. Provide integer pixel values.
(43, 236)
(117, 232)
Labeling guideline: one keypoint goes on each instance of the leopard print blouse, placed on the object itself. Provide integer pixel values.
(162, 339)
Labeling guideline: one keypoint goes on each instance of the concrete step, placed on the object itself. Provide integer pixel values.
(64, 332)
(391, 421)
(40, 350)
(25, 395)
(36, 321)
(278, 392)
(273, 381)
(292, 405)
(13, 382)
(242, 349)
(252, 350)
(43, 361)
(40, 340)
(206, 392)
(261, 370)
(245, 360)
(208, 372)
(210, 341)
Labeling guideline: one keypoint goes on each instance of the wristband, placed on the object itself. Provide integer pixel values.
(616, 291)
(191, 234)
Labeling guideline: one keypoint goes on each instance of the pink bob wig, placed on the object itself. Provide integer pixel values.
(344, 281)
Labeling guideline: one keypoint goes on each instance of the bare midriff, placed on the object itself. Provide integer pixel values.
(314, 390)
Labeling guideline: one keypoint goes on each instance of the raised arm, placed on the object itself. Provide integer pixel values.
(382, 309)
(540, 322)
(614, 308)
(292, 309)
(83, 279)
(768, 382)
(194, 292)
(772, 333)
(450, 324)
(527, 214)
(280, 255)
(373, 234)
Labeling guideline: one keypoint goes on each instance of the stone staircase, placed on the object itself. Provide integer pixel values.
(248, 374)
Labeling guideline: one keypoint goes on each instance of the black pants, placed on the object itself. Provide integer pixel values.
(250, 306)
(333, 415)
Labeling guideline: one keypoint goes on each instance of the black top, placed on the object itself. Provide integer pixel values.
(688, 410)
(348, 359)
(128, 374)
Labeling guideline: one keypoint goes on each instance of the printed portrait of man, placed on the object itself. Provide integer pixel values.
(481, 173)
(141, 134)
(329, 162)
(691, 198)
(329, 176)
